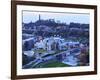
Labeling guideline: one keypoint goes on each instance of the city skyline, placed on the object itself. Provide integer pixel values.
(31, 16)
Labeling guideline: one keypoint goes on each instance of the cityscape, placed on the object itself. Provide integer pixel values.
(50, 43)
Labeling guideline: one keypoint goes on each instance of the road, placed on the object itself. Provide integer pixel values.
(38, 61)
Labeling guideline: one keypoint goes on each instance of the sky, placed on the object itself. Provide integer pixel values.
(33, 16)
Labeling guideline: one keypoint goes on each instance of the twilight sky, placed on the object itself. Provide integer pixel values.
(31, 16)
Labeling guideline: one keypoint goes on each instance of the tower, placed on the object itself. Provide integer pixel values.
(39, 17)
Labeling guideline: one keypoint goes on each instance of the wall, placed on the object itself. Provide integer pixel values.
(5, 32)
